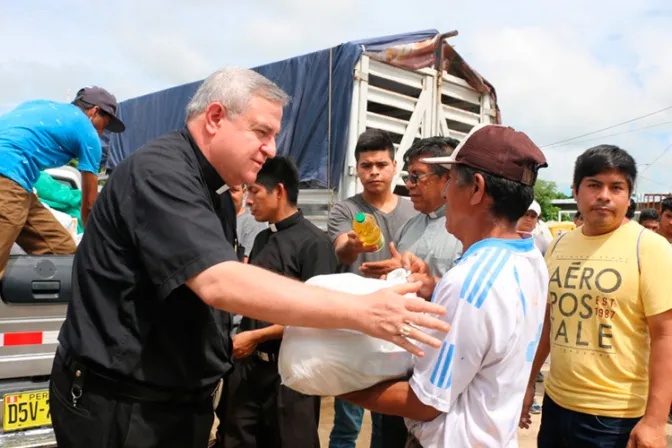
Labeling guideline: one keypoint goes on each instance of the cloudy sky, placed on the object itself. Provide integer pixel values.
(560, 71)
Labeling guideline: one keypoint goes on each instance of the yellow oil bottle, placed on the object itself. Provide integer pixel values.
(368, 231)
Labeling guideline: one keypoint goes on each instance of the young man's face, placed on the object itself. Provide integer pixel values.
(666, 224)
(376, 171)
(651, 224)
(263, 204)
(528, 221)
(99, 119)
(603, 200)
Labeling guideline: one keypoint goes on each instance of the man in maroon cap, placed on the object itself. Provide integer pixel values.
(468, 392)
(42, 134)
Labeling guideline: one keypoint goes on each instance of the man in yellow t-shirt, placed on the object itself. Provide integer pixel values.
(608, 326)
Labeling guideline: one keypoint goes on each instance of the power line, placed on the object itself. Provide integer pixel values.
(655, 181)
(617, 133)
(657, 158)
(608, 127)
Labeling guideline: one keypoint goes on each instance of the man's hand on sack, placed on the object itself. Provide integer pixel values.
(244, 344)
(377, 269)
(386, 315)
(420, 272)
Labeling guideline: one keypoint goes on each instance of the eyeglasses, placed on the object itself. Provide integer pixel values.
(414, 178)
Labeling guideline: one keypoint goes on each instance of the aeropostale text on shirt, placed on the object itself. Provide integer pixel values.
(583, 304)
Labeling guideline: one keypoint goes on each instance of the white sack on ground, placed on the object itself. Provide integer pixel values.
(333, 362)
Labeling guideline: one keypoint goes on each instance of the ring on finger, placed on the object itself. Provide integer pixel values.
(405, 330)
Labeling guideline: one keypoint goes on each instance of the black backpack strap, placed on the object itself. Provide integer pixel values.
(557, 240)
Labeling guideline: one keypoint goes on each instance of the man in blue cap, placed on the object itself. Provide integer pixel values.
(43, 134)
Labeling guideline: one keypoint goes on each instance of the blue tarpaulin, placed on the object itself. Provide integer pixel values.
(305, 124)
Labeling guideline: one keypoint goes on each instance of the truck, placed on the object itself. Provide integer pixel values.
(33, 297)
(412, 85)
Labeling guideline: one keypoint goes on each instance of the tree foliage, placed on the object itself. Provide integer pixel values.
(544, 192)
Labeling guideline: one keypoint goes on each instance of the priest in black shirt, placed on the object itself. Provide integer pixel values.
(146, 337)
(260, 412)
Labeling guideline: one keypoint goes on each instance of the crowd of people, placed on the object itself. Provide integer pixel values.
(195, 254)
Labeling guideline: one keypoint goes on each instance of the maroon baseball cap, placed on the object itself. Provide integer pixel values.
(97, 96)
(498, 150)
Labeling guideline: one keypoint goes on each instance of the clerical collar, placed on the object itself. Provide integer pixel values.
(438, 213)
(287, 222)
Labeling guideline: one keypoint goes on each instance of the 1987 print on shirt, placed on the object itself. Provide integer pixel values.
(584, 298)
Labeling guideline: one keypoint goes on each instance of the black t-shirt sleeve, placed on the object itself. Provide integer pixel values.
(175, 228)
(318, 258)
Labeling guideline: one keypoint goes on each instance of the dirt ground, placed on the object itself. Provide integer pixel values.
(526, 438)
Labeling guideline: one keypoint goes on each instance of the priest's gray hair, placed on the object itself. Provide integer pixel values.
(234, 88)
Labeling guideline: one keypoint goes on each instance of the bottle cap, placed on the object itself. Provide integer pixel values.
(360, 217)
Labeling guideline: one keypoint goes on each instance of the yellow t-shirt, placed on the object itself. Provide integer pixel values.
(600, 293)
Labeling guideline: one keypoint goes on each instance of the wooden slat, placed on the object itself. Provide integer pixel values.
(392, 99)
(395, 74)
(314, 196)
(455, 80)
(386, 123)
(460, 115)
(461, 93)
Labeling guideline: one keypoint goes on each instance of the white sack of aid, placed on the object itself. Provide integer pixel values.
(334, 362)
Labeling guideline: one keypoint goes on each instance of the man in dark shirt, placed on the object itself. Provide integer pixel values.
(261, 412)
(145, 342)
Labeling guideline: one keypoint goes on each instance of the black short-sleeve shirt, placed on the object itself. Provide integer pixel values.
(160, 219)
(293, 247)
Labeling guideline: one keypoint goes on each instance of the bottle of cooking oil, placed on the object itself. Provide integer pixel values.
(368, 231)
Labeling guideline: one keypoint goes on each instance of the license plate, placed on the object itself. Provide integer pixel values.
(26, 410)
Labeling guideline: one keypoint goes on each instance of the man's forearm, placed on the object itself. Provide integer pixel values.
(89, 194)
(84, 212)
(537, 364)
(393, 398)
(543, 349)
(269, 333)
(345, 256)
(260, 294)
(660, 387)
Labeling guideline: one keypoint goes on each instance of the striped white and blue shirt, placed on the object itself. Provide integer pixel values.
(496, 301)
